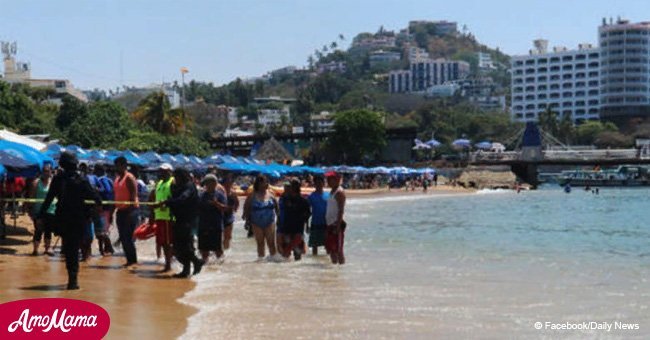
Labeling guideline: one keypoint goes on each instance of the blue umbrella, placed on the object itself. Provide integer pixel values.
(77, 150)
(484, 145)
(3, 171)
(433, 143)
(462, 143)
(133, 158)
(32, 160)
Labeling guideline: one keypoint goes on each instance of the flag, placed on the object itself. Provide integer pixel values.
(184, 70)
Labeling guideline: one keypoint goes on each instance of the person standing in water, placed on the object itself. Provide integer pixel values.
(212, 203)
(72, 213)
(318, 203)
(161, 216)
(229, 213)
(261, 209)
(296, 215)
(44, 228)
(105, 188)
(183, 204)
(335, 233)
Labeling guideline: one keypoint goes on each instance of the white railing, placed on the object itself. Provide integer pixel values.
(612, 154)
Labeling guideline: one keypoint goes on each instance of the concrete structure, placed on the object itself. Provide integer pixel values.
(442, 27)
(333, 66)
(382, 57)
(233, 117)
(20, 73)
(269, 117)
(567, 81)
(489, 103)
(625, 69)
(375, 42)
(485, 62)
(424, 73)
(416, 53)
(443, 90)
(321, 122)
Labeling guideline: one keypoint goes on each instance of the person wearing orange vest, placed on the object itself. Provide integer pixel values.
(126, 216)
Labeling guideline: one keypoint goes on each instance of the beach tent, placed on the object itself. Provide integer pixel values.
(379, 170)
(3, 171)
(133, 158)
(77, 150)
(484, 145)
(422, 147)
(214, 159)
(16, 138)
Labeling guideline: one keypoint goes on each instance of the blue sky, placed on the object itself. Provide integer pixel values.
(220, 40)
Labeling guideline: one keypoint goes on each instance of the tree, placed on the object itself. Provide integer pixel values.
(566, 130)
(71, 110)
(358, 134)
(547, 121)
(156, 112)
(587, 132)
(106, 125)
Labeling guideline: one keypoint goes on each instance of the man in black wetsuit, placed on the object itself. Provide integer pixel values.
(184, 207)
(72, 214)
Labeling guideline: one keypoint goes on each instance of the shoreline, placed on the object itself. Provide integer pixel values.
(141, 302)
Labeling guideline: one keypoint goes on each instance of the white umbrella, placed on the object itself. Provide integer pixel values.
(16, 138)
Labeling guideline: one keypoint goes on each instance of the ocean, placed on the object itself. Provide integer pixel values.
(490, 264)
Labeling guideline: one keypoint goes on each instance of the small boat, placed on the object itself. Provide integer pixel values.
(623, 176)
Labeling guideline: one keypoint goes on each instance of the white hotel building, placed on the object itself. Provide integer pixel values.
(567, 81)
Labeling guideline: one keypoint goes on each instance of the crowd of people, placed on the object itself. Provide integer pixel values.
(184, 209)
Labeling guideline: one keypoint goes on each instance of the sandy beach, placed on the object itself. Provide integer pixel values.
(141, 302)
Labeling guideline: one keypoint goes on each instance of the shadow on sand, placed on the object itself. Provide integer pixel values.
(45, 288)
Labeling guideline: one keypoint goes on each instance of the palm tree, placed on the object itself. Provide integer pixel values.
(310, 61)
(341, 36)
(156, 112)
(333, 45)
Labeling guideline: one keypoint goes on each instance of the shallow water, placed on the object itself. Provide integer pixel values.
(484, 265)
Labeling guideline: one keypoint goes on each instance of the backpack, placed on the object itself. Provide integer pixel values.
(105, 186)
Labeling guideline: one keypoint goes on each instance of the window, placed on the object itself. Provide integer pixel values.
(567, 104)
(541, 96)
(567, 85)
(555, 60)
(542, 78)
(541, 88)
(555, 68)
(567, 95)
(542, 70)
(580, 93)
(567, 58)
(567, 67)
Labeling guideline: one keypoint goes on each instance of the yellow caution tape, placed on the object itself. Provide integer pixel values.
(40, 200)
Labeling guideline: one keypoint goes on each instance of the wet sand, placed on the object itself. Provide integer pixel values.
(141, 303)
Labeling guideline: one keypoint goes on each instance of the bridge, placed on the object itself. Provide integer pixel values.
(531, 155)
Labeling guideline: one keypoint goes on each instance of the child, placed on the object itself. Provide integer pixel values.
(212, 203)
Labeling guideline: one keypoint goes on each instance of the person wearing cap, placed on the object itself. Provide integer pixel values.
(212, 204)
(126, 215)
(161, 216)
(72, 214)
(335, 231)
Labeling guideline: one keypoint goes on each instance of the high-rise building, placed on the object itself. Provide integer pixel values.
(625, 69)
(566, 81)
(425, 73)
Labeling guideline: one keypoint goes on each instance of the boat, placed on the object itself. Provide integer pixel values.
(623, 176)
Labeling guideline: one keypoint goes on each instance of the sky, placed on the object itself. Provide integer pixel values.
(108, 43)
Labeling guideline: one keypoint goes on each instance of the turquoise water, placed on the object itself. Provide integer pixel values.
(478, 265)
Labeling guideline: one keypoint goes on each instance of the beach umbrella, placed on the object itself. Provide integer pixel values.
(422, 147)
(182, 159)
(196, 160)
(379, 170)
(484, 145)
(31, 160)
(214, 159)
(433, 143)
(24, 140)
(133, 158)
(498, 147)
(462, 143)
(167, 158)
(152, 157)
(3, 171)
(54, 151)
(77, 150)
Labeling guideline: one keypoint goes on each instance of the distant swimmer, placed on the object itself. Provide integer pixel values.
(567, 188)
(335, 234)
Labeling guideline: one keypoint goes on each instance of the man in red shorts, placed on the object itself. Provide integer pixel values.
(335, 231)
(161, 215)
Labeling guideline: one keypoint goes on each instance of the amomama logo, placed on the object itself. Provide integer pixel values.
(53, 318)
